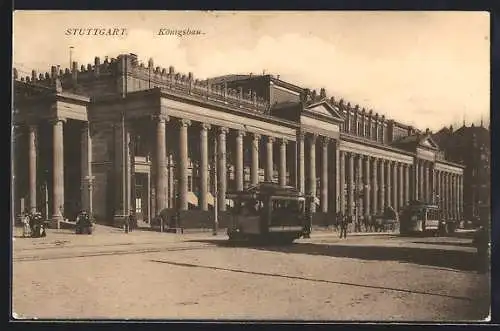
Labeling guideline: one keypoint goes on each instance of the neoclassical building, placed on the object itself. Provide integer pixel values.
(119, 135)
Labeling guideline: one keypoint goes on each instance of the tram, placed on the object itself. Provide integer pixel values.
(424, 218)
(267, 213)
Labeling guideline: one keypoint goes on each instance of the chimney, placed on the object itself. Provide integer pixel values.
(74, 71)
(53, 72)
(322, 93)
(97, 64)
(33, 75)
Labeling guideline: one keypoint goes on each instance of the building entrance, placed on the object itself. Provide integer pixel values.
(141, 199)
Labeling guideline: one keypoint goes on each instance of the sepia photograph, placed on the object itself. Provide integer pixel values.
(251, 166)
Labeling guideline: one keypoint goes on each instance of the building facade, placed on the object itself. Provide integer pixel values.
(471, 147)
(119, 135)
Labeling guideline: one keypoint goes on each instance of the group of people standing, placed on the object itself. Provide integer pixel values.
(33, 225)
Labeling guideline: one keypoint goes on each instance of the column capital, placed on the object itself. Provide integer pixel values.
(312, 136)
(241, 133)
(85, 127)
(301, 134)
(325, 141)
(283, 141)
(256, 136)
(160, 118)
(184, 122)
(205, 126)
(222, 130)
(270, 139)
(56, 120)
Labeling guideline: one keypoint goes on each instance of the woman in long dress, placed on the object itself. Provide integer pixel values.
(26, 225)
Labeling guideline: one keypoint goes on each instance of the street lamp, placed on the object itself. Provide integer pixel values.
(90, 183)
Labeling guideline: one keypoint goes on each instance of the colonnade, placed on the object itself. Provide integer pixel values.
(57, 198)
(344, 181)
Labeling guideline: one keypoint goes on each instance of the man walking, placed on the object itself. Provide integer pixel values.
(126, 223)
(343, 226)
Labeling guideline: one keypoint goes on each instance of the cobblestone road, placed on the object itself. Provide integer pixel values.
(164, 276)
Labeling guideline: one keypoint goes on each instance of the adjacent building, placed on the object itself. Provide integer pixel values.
(118, 135)
(470, 146)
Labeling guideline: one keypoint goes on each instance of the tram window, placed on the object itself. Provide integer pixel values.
(251, 207)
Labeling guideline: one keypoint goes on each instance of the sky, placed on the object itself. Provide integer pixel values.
(426, 69)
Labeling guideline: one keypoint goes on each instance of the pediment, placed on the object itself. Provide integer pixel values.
(324, 110)
(428, 142)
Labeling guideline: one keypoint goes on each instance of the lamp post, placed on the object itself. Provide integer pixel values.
(90, 183)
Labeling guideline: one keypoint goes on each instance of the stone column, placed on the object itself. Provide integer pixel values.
(161, 164)
(457, 195)
(350, 184)
(312, 168)
(204, 165)
(421, 180)
(388, 186)
(254, 170)
(437, 196)
(239, 160)
(382, 186)
(86, 166)
(374, 187)
(447, 193)
(341, 180)
(460, 197)
(454, 199)
(416, 182)
(301, 163)
(442, 200)
(282, 169)
(428, 189)
(401, 186)
(450, 186)
(324, 174)
(268, 169)
(121, 171)
(32, 150)
(333, 176)
(395, 188)
(367, 186)
(406, 183)
(222, 169)
(58, 172)
(183, 164)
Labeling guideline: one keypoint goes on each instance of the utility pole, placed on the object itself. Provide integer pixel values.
(216, 184)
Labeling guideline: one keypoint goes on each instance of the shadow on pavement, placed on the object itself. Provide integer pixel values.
(443, 258)
(256, 273)
(444, 243)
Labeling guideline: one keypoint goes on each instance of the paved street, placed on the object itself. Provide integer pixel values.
(146, 274)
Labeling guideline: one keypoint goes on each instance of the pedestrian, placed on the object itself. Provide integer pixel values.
(308, 216)
(126, 223)
(26, 225)
(343, 226)
(132, 221)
